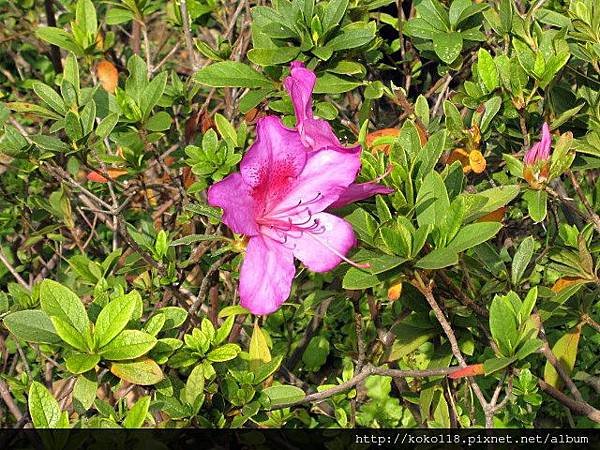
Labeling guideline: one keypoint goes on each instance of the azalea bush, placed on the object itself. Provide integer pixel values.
(299, 214)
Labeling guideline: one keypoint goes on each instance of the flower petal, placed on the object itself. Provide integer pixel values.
(531, 156)
(326, 175)
(276, 155)
(320, 250)
(545, 143)
(235, 198)
(360, 191)
(316, 134)
(299, 85)
(266, 275)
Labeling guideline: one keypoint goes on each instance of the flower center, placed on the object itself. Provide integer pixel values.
(293, 221)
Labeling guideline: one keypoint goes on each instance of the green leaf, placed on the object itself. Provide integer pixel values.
(473, 234)
(160, 121)
(495, 364)
(152, 93)
(32, 326)
(231, 74)
(136, 416)
(283, 394)
(49, 143)
(432, 200)
(193, 238)
(363, 223)
(61, 302)
(420, 28)
(224, 353)
(84, 392)
(71, 72)
(358, 279)
(503, 324)
(485, 202)
(265, 370)
(30, 108)
(223, 331)
(85, 17)
(491, 108)
(334, 11)
(194, 386)
(143, 371)
(457, 7)
(529, 347)
(528, 304)
(117, 16)
(49, 96)
(73, 126)
(521, 259)
(88, 117)
(447, 46)
(565, 350)
(205, 210)
(128, 345)
(537, 204)
(316, 353)
(329, 83)
(161, 245)
(225, 129)
(487, 71)
(113, 318)
(106, 125)
(232, 311)
(175, 316)
(43, 408)
(69, 334)
(59, 38)
(454, 121)
(438, 258)
(352, 38)
(408, 339)
(77, 363)
(272, 56)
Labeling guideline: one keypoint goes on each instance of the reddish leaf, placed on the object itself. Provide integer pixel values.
(469, 371)
(107, 75)
(112, 173)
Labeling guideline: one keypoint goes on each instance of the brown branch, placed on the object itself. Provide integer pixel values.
(9, 401)
(367, 371)
(553, 360)
(580, 408)
(426, 290)
(13, 271)
(187, 34)
(591, 322)
(590, 210)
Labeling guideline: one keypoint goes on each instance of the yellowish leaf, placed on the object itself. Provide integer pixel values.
(259, 350)
(565, 351)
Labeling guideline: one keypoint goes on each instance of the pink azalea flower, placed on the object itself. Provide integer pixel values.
(317, 134)
(540, 151)
(277, 200)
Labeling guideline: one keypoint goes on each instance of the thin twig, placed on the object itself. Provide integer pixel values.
(367, 371)
(9, 401)
(187, 33)
(580, 408)
(12, 270)
(590, 210)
